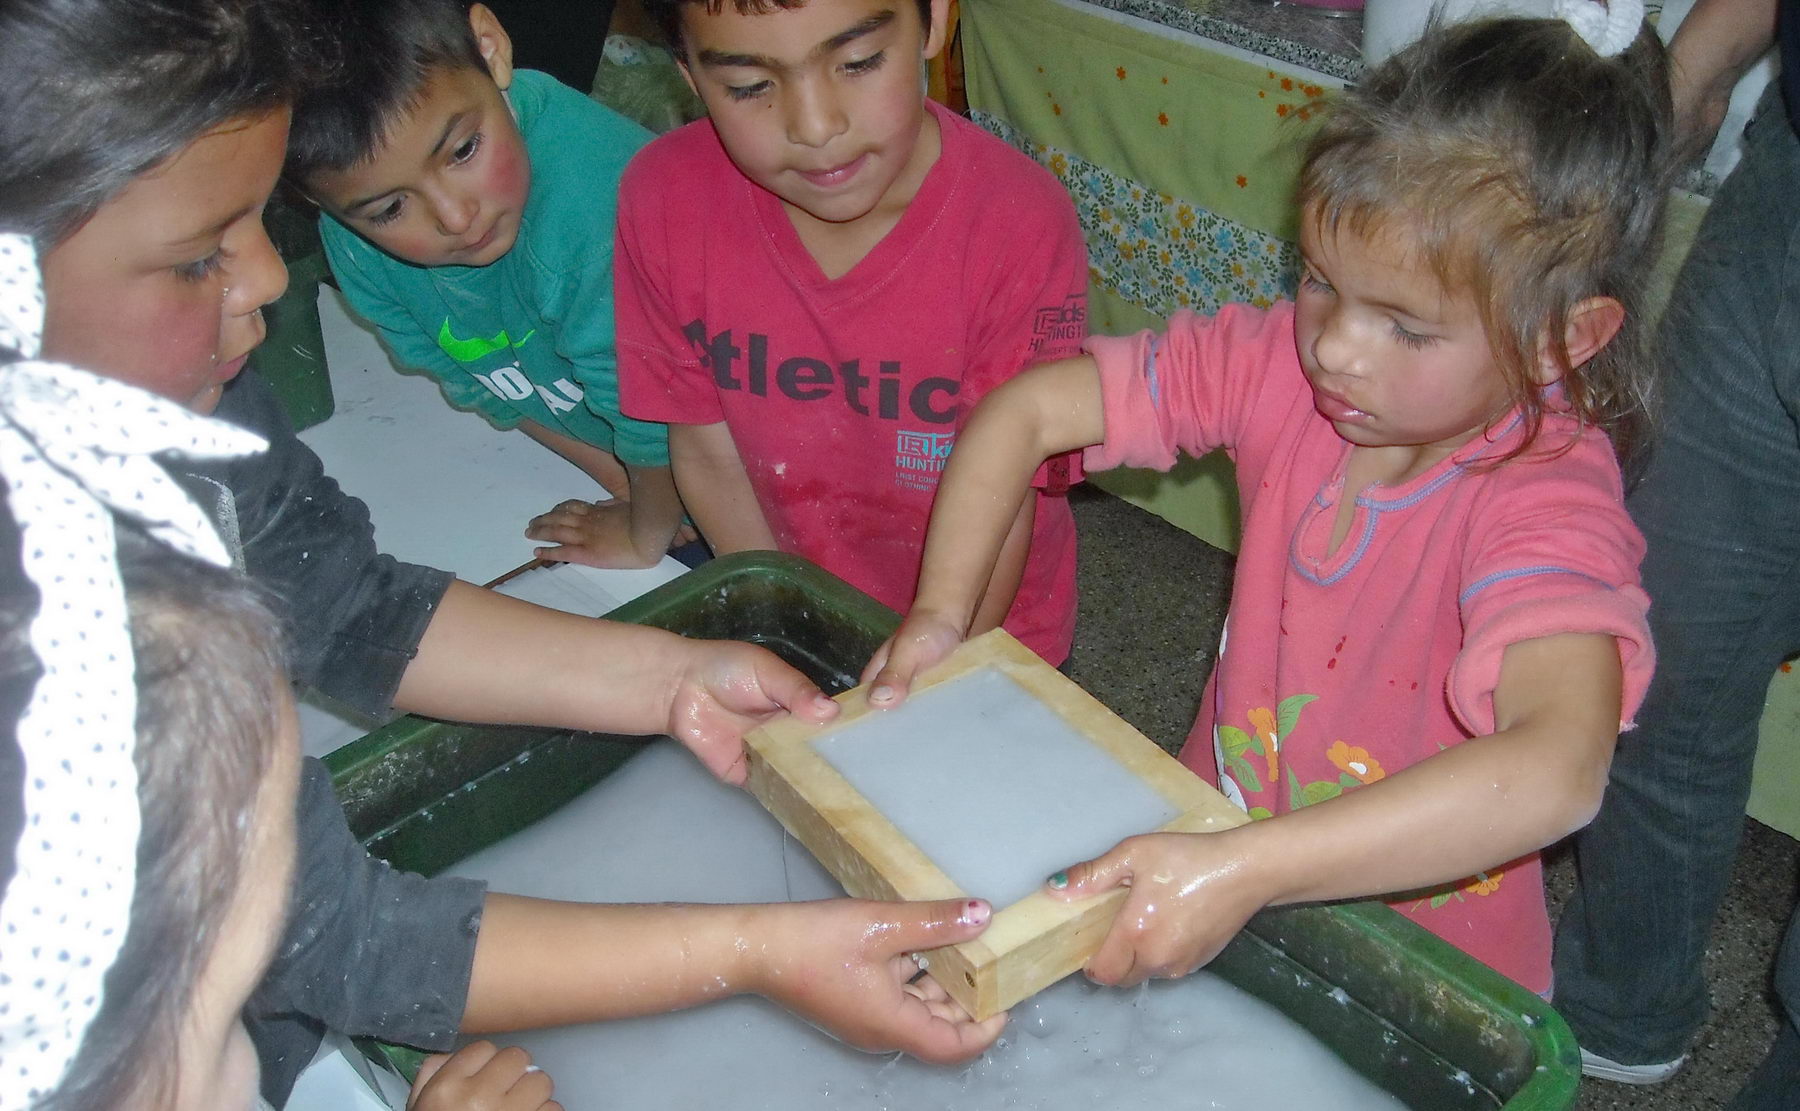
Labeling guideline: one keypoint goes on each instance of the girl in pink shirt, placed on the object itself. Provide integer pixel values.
(1436, 629)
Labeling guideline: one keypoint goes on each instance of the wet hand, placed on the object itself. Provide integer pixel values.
(722, 689)
(844, 966)
(1189, 894)
(923, 639)
(480, 1077)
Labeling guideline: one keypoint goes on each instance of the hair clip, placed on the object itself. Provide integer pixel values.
(1607, 27)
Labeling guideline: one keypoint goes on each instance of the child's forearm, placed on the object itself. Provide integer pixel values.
(655, 512)
(840, 964)
(1009, 571)
(489, 658)
(1045, 411)
(542, 963)
(597, 463)
(710, 476)
(1470, 807)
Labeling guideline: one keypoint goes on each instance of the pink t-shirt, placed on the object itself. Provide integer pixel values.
(844, 396)
(1338, 668)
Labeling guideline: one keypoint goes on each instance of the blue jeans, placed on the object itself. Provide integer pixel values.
(1720, 508)
(1775, 1086)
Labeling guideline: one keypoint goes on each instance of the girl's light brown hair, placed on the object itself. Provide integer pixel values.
(1526, 171)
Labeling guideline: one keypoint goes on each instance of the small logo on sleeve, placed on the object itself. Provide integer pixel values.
(1060, 326)
(919, 457)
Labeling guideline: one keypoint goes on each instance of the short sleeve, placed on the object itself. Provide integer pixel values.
(581, 303)
(1555, 554)
(367, 951)
(660, 376)
(1033, 301)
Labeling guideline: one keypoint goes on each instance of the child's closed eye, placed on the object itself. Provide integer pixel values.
(747, 92)
(201, 269)
(866, 65)
(1414, 340)
(387, 214)
(1312, 281)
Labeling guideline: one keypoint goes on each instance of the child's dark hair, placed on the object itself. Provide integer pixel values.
(666, 14)
(381, 55)
(209, 677)
(93, 93)
(1526, 170)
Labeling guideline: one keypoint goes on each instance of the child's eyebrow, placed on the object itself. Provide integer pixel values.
(214, 230)
(451, 125)
(717, 58)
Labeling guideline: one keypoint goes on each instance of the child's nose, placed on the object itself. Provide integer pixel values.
(258, 275)
(453, 211)
(815, 115)
(1333, 348)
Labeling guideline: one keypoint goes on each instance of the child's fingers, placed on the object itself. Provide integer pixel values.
(921, 641)
(449, 1069)
(427, 1069)
(876, 662)
(560, 533)
(1093, 877)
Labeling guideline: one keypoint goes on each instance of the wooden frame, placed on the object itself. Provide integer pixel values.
(1034, 942)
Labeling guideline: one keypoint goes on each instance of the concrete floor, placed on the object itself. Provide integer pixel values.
(1152, 599)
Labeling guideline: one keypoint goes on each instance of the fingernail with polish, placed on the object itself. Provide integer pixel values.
(1059, 881)
(976, 912)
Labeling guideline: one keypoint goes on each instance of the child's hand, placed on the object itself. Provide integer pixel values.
(597, 534)
(843, 965)
(1190, 894)
(923, 639)
(722, 689)
(479, 1077)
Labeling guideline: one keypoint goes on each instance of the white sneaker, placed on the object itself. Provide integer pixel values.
(1604, 1068)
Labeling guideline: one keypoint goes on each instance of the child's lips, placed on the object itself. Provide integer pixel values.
(481, 244)
(231, 368)
(1332, 407)
(835, 175)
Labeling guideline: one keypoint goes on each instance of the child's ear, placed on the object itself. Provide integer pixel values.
(1591, 326)
(940, 27)
(939, 32)
(493, 43)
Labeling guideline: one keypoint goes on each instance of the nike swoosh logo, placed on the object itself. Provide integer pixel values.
(472, 350)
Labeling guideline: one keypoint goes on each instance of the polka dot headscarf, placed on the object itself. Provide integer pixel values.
(75, 449)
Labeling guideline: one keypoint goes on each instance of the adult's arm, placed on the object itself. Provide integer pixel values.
(1717, 42)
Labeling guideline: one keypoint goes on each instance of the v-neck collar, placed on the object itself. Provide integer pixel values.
(1309, 546)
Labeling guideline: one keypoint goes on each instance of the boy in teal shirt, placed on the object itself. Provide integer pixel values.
(468, 214)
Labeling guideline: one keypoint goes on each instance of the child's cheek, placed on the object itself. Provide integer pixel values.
(509, 175)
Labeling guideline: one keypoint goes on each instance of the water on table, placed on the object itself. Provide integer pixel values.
(660, 829)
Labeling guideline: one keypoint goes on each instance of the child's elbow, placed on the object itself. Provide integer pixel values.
(1585, 792)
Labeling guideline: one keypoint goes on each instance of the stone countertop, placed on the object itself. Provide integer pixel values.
(1321, 40)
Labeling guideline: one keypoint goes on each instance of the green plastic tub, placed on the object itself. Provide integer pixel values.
(1421, 1019)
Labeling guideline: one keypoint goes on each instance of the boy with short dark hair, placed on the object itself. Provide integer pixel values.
(817, 284)
(468, 215)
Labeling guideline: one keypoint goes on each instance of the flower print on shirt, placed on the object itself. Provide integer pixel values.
(1268, 728)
